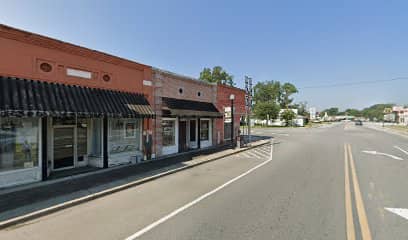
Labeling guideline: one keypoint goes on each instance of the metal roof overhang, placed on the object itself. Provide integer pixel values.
(21, 97)
(189, 108)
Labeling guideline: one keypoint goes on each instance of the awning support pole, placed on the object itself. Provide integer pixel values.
(198, 133)
(105, 142)
(44, 150)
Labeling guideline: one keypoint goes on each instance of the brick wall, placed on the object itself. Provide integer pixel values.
(23, 53)
(167, 84)
(223, 100)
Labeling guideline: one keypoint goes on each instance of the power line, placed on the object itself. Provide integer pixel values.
(353, 83)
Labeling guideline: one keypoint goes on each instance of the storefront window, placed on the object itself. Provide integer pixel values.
(204, 130)
(96, 138)
(82, 137)
(18, 143)
(169, 136)
(124, 136)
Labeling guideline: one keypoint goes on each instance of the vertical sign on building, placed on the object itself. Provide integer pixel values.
(248, 103)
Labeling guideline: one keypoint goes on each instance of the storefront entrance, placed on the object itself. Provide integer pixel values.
(63, 148)
(70, 143)
(183, 136)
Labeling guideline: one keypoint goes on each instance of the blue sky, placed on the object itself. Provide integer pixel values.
(308, 43)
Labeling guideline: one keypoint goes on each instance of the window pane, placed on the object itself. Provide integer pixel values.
(204, 130)
(124, 136)
(168, 127)
(18, 143)
(96, 135)
(82, 137)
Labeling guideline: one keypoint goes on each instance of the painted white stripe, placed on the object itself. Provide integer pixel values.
(262, 155)
(402, 150)
(383, 154)
(254, 155)
(263, 150)
(192, 203)
(245, 155)
(402, 212)
(281, 134)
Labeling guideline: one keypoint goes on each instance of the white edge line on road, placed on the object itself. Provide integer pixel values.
(192, 203)
(402, 150)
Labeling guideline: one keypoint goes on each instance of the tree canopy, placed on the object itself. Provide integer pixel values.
(268, 91)
(271, 96)
(286, 91)
(376, 111)
(301, 107)
(288, 115)
(353, 112)
(373, 112)
(266, 110)
(217, 75)
(333, 111)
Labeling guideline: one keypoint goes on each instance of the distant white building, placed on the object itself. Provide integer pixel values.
(312, 113)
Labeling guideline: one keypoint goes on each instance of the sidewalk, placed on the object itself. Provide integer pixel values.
(45, 197)
(388, 129)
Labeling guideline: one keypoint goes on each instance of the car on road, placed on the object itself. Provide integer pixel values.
(359, 123)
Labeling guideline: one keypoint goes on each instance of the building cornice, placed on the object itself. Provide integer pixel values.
(180, 76)
(54, 44)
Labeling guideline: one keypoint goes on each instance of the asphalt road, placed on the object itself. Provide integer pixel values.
(330, 182)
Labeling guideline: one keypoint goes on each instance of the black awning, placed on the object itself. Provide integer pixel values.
(187, 108)
(21, 97)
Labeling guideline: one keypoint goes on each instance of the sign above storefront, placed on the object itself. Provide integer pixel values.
(227, 114)
(79, 73)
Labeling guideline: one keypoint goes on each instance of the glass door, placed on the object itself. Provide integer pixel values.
(63, 148)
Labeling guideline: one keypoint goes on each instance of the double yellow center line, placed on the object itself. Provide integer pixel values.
(362, 216)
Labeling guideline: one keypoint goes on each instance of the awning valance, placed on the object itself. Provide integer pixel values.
(189, 108)
(21, 97)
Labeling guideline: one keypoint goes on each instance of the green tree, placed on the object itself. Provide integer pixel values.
(288, 115)
(376, 111)
(266, 110)
(217, 75)
(302, 108)
(333, 111)
(287, 90)
(267, 91)
(353, 112)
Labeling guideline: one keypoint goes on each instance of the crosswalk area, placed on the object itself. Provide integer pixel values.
(262, 152)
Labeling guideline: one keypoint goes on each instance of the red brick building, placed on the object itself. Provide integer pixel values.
(223, 103)
(185, 113)
(64, 106)
(68, 108)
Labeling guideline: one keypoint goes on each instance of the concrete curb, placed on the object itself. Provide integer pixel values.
(68, 204)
